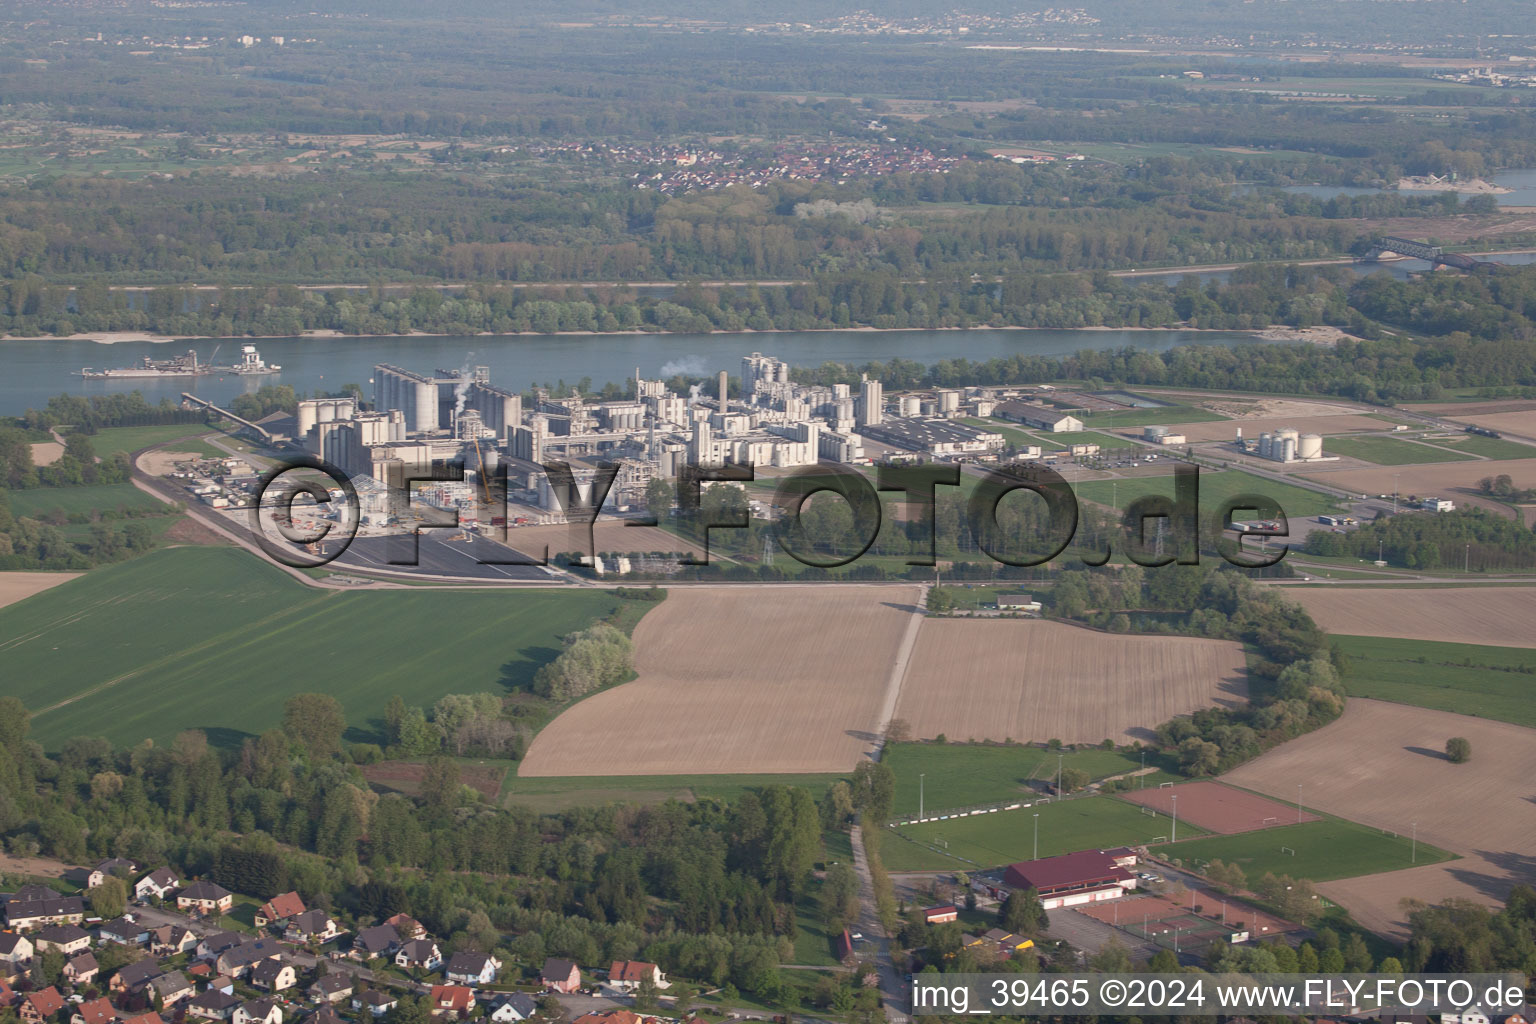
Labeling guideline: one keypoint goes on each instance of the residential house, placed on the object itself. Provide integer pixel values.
(94, 1011)
(451, 1001)
(511, 1008)
(422, 953)
(222, 983)
(560, 976)
(37, 906)
(468, 968)
(610, 1017)
(941, 915)
(124, 931)
(406, 926)
(215, 943)
(144, 1018)
(81, 970)
(134, 976)
(273, 976)
(90, 878)
(375, 1002)
(7, 997)
(311, 926)
(158, 884)
(258, 1011)
(171, 939)
(15, 948)
(326, 1015)
(205, 898)
(380, 940)
(627, 975)
(68, 939)
(238, 960)
(1005, 944)
(213, 1005)
(37, 1007)
(279, 908)
(172, 988)
(330, 988)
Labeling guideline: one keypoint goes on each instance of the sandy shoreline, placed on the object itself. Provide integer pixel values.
(1275, 332)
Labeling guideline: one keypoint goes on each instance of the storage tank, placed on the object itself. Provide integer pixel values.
(326, 412)
(949, 401)
(1288, 449)
(1154, 433)
(1310, 447)
(307, 418)
(1266, 446)
(911, 405)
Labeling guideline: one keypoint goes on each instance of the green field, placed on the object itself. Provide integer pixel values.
(1389, 451)
(1060, 441)
(1324, 850)
(988, 840)
(557, 793)
(1488, 447)
(1120, 418)
(37, 501)
(111, 440)
(1488, 682)
(1215, 488)
(960, 775)
(216, 639)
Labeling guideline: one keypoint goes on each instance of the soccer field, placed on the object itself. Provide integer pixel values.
(1318, 850)
(990, 840)
(215, 639)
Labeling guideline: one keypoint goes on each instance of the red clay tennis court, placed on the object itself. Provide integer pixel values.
(1196, 916)
(1218, 808)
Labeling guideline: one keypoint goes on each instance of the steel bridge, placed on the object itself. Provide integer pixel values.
(1424, 251)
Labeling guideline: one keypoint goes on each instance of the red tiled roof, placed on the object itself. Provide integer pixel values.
(631, 970)
(47, 1002)
(1071, 870)
(278, 907)
(97, 1011)
(452, 997)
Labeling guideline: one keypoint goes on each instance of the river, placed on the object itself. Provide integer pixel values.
(38, 369)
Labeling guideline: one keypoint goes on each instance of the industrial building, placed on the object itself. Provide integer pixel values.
(1285, 445)
(1039, 417)
(935, 437)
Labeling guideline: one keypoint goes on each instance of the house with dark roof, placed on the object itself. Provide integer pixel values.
(82, 969)
(419, 953)
(15, 948)
(237, 961)
(279, 908)
(171, 939)
(134, 976)
(324, 1015)
(205, 898)
(68, 939)
(172, 988)
(213, 1005)
(380, 940)
(470, 968)
(330, 988)
(273, 976)
(560, 976)
(511, 1007)
(214, 943)
(124, 931)
(35, 906)
(406, 926)
(158, 884)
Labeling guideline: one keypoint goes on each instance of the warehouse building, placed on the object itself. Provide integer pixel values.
(1073, 879)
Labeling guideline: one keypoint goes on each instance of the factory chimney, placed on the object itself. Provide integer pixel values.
(722, 391)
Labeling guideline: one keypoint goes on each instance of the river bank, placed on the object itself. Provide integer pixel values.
(1274, 332)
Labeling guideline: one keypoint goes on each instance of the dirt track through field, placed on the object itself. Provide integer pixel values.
(18, 586)
(740, 680)
(608, 535)
(1030, 681)
(1383, 765)
(1498, 616)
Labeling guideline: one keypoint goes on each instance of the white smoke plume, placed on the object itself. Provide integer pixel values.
(693, 394)
(461, 389)
(688, 366)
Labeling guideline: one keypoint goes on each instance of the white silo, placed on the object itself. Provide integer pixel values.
(910, 405)
(308, 417)
(1266, 446)
(1288, 449)
(1310, 447)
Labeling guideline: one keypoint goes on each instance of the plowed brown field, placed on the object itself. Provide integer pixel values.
(740, 680)
(1500, 616)
(1454, 480)
(1382, 765)
(18, 586)
(1006, 679)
